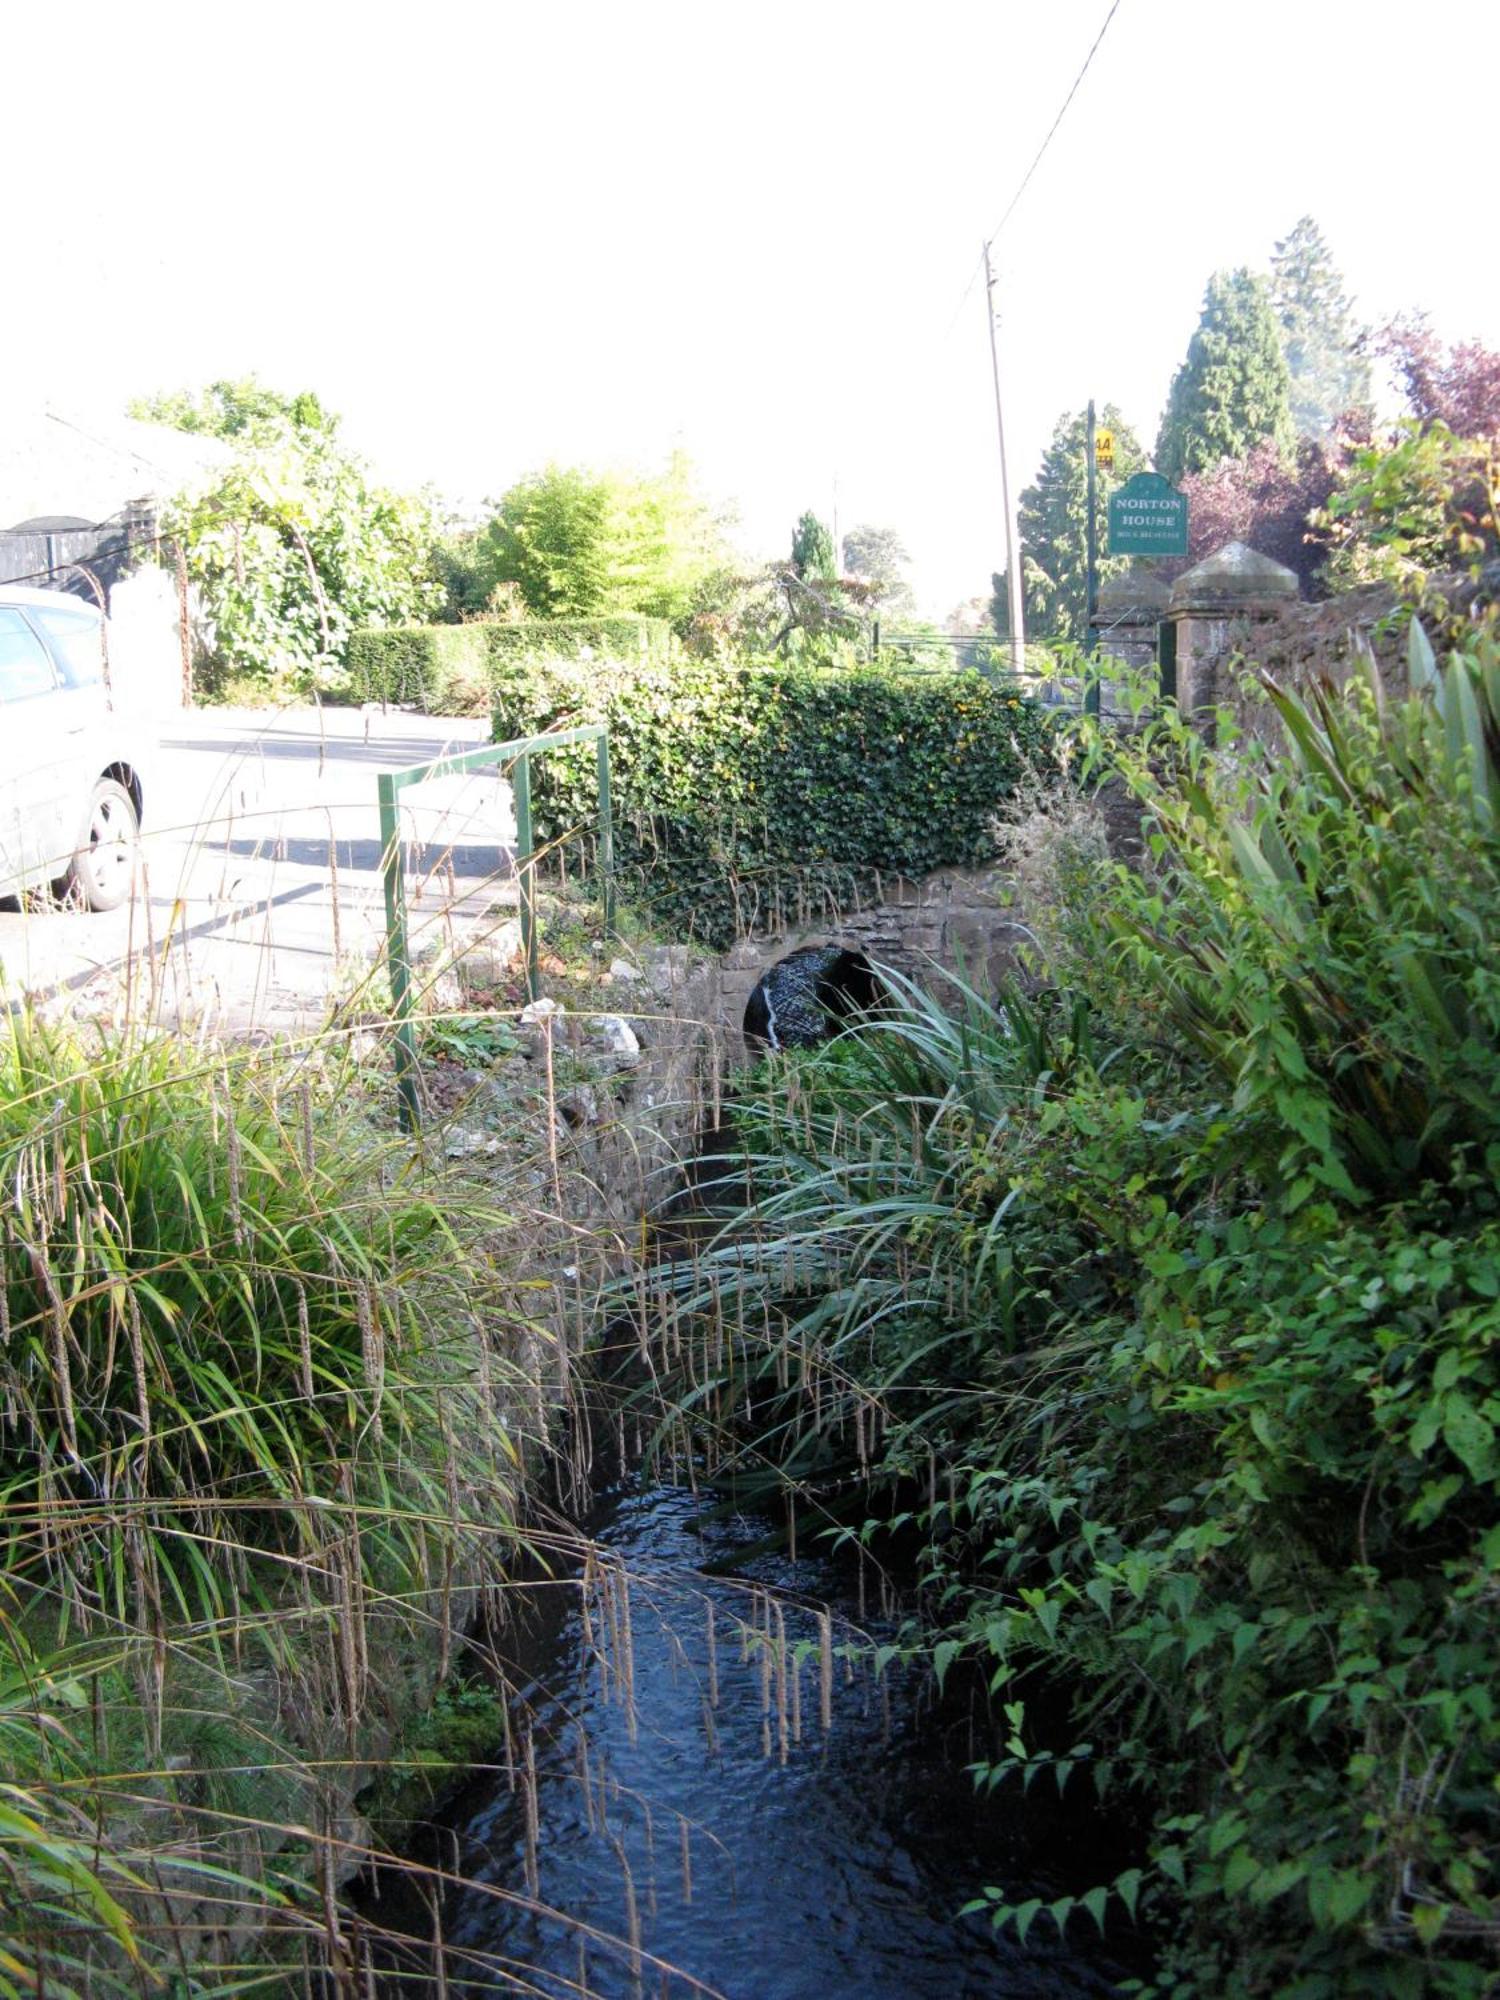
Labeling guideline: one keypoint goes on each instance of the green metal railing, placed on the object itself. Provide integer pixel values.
(398, 959)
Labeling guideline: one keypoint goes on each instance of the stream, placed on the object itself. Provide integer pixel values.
(714, 1793)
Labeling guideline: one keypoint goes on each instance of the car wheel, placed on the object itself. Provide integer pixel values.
(102, 870)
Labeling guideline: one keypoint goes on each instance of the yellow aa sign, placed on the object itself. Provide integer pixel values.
(1104, 449)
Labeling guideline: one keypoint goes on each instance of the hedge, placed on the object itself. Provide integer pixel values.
(744, 794)
(449, 669)
(438, 669)
(618, 638)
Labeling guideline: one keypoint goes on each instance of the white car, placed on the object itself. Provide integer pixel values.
(71, 793)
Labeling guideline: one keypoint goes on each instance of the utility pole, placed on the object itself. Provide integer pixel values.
(1012, 538)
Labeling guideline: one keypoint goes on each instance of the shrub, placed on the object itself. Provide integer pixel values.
(449, 669)
(436, 669)
(617, 638)
(1181, 1353)
(746, 793)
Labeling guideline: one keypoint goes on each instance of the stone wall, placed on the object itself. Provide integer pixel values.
(1223, 631)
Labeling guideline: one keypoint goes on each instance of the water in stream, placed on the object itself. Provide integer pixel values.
(724, 1803)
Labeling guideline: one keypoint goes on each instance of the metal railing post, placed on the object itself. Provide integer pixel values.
(397, 958)
(526, 874)
(606, 838)
(398, 954)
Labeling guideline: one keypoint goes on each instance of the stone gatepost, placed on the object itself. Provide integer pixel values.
(1215, 608)
(1125, 621)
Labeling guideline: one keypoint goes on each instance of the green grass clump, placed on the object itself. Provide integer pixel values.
(257, 1454)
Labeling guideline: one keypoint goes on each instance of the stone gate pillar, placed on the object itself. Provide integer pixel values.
(1125, 620)
(1215, 608)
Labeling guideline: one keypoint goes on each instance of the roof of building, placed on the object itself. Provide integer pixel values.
(56, 465)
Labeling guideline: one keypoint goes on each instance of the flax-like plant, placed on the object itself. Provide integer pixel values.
(1324, 932)
(872, 1287)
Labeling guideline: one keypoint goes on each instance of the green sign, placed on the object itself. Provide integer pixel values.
(1148, 517)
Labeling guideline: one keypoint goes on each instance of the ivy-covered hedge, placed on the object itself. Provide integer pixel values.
(747, 793)
(449, 669)
(619, 638)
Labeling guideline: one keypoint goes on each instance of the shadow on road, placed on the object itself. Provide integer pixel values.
(492, 859)
(387, 753)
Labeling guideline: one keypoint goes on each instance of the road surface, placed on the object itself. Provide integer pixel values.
(259, 895)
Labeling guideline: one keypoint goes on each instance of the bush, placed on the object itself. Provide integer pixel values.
(1179, 1344)
(619, 638)
(448, 669)
(746, 793)
(436, 669)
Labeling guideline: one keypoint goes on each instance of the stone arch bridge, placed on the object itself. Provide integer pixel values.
(962, 919)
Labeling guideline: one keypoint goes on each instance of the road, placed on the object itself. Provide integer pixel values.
(259, 895)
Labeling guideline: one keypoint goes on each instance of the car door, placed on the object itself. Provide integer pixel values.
(85, 738)
(33, 756)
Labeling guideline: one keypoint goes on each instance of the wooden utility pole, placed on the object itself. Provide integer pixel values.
(1012, 538)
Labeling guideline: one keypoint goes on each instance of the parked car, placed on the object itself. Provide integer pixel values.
(71, 793)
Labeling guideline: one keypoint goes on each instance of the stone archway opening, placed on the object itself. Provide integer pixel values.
(808, 995)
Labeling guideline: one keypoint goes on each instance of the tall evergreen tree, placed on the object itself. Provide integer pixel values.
(1234, 388)
(1318, 332)
(1053, 519)
(812, 549)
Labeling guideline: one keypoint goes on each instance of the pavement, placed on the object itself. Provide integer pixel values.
(259, 898)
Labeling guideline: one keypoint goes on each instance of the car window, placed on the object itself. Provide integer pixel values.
(77, 642)
(25, 669)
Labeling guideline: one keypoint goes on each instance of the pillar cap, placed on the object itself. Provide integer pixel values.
(1233, 578)
(1137, 590)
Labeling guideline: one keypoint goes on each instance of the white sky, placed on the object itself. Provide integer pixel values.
(496, 234)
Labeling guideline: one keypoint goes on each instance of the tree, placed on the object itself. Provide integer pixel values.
(1268, 500)
(1319, 337)
(877, 557)
(812, 549)
(1053, 518)
(295, 545)
(576, 543)
(1458, 386)
(245, 410)
(1426, 499)
(1233, 389)
(551, 538)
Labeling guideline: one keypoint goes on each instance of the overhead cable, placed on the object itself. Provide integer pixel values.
(1026, 179)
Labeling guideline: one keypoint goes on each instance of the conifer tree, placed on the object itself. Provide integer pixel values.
(1233, 389)
(1318, 332)
(1053, 519)
(812, 549)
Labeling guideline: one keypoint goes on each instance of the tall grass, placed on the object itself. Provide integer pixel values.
(261, 1443)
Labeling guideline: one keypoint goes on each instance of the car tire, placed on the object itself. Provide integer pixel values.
(102, 871)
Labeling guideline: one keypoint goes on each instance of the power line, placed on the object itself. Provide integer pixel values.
(1026, 178)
